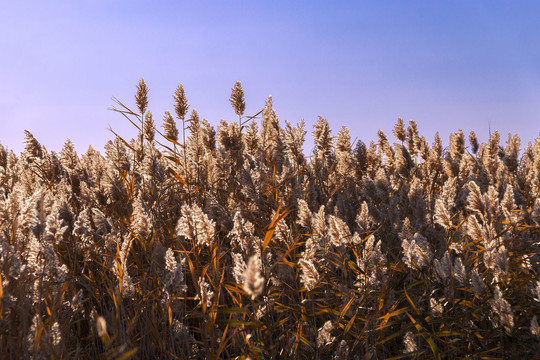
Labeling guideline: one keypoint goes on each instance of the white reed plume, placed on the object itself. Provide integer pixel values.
(409, 342)
(416, 251)
(535, 330)
(149, 127)
(475, 199)
(436, 307)
(237, 99)
(442, 215)
(342, 351)
(174, 278)
(459, 271)
(502, 308)
(55, 334)
(205, 295)
(169, 127)
(324, 334)
(142, 224)
(399, 130)
(294, 141)
(195, 225)
(319, 225)
(477, 283)
(310, 275)
(242, 233)
(362, 219)
(239, 269)
(372, 265)
(338, 231)
(253, 280)
(443, 268)
(304, 214)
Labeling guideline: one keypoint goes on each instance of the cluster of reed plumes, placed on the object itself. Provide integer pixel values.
(230, 243)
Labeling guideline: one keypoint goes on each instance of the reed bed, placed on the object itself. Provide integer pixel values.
(195, 242)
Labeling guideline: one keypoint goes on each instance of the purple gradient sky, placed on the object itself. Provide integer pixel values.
(446, 64)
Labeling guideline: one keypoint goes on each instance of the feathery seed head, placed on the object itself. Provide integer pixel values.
(502, 308)
(141, 98)
(409, 342)
(319, 223)
(169, 127)
(55, 334)
(475, 198)
(412, 138)
(196, 225)
(170, 260)
(384, 146)
(436, 306)
(142, 224)
(457, 145)
(208, 136)
(536, 291)
(362, 218)
(294, 140)
(304, 214)
(239, 269)
(68, 155)
(174, 277)
(342, 351)
(323, 140)
(511, 153)
(477, 283)
(442, 215)
(324, 335)
(253, 280)
(361, 156)
(416, 251)
(194, 122)
(437, 145)
(443, 268)
(343, 140)
(101, 326)
(535, 330)
(399, 130)
(310, 275)
(403, 161)
(3, 156)
(237, 99)
(473, 228)
(181, 106)
(474, 142)
(242, 233)
(338, 231)
(205, 295)
(149, 127)
(33, 147)
(459, 271)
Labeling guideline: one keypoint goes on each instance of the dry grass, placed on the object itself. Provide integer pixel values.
(229, 243)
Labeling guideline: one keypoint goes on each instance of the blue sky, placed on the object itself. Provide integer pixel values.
(449, 65)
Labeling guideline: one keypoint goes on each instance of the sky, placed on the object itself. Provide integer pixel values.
(448, 65)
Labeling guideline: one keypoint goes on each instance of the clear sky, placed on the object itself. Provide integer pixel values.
(473, 65)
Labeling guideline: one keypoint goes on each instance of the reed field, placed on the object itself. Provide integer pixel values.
(195, 242)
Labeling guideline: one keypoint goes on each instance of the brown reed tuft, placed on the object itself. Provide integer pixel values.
(141, 97)
(237, 99)
(169, 127)
(181, 105)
